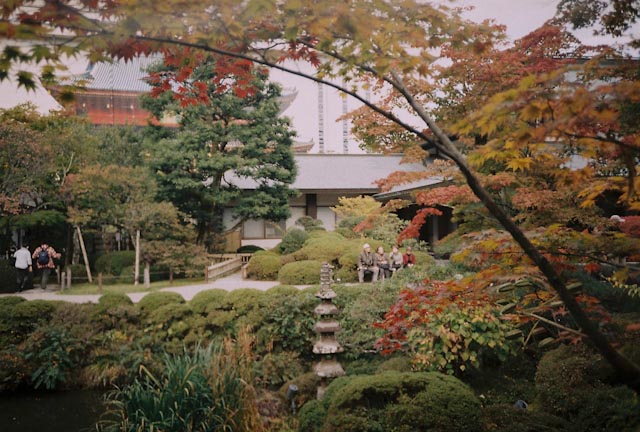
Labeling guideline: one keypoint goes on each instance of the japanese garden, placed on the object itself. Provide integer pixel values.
(504, 173)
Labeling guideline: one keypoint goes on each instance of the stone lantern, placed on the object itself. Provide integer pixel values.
(327, 326)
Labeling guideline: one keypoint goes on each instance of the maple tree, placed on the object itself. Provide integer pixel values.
(394, 44)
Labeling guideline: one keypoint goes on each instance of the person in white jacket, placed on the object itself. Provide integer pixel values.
(23, 266)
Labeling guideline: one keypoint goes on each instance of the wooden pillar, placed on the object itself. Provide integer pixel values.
(84, 254)
(136, 270)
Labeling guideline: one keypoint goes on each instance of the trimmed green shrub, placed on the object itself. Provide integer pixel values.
(398, 364)
(293, 240)
(325, 247)
(300, 273)
(282, 291)
(109, 300)
(246, 304)
(360, 307)
(403, 402)
(309, 223)
(154, 300)
(249, 249)
(307, 384)
(507, 418)
(448, 245)
(79, 274)
(274, 369)
(112, 263)
(263, 266)
(7, 277)
(311, 417)
(115, 310)
(30, 314)
(423, 259)
(7, 323)
(126, 276)
(288, 323)
(571, 384)
(348, 271)
(208, 301)
(9, 302)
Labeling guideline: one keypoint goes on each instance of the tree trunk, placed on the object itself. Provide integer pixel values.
(627, 371)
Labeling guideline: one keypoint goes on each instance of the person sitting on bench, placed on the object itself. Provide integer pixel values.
(395, 260)
(409, 259)
(366, 264)
(380, 260)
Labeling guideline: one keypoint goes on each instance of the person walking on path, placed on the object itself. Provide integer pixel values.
(23, 266)
(44, 255)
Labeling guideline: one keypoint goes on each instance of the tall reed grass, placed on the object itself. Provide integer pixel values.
(209, 389)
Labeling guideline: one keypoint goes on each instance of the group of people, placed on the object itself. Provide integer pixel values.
(381, 265)
(43, 256)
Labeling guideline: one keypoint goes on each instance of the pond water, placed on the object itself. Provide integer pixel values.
(72, 411)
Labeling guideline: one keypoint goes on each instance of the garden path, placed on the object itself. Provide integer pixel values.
(229, 283)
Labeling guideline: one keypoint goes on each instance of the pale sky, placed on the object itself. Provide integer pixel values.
(520, 17)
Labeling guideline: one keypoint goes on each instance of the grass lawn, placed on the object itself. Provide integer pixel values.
(92, 288)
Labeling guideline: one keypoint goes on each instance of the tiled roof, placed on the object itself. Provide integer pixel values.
(130, 76)
(340, 172)
(119, 76)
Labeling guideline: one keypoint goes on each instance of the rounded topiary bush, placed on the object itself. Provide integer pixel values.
(114, 299)
(114, 309)
(210, 300)
(282, 291)
(325, 247)
(154, 300)
(246, 305)
(293, 240)
(126, 276)
(311, 417)
(348, 271)
(403, 402)
(249, 249)
(571, 382)
(113, 262)
(300, 273)
(263, 266)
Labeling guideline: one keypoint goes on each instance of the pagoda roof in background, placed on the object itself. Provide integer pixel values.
(131, 77)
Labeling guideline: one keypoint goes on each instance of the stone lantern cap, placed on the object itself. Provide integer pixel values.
(328, 326)
(327, 345)
(328, 368)
(326, 309)
(326, 293)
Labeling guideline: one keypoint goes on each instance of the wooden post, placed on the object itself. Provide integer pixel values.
(147, 275)
(136, 270)
(84, 254)
(63, 280)
(170, 276)
(206, 274)
(69, 277)
(100, 282)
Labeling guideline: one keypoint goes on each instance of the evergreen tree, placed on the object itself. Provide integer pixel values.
(229, 138)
